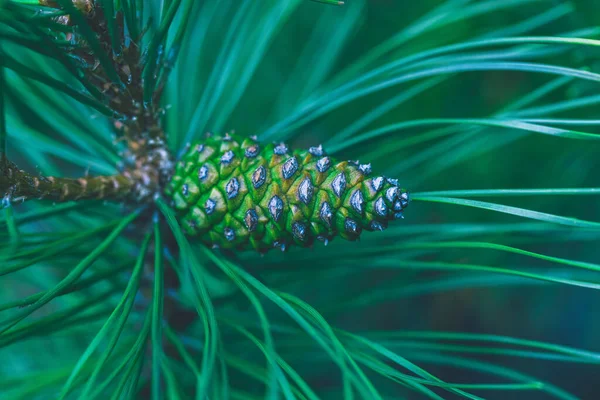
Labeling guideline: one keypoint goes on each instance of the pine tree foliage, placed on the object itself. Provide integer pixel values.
(485, 110)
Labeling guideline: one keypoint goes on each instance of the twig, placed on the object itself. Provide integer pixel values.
(18, 185)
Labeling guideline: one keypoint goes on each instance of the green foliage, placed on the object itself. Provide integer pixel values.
(486, 111)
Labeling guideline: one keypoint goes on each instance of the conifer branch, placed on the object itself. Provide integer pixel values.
(109, 63)
(17, 185)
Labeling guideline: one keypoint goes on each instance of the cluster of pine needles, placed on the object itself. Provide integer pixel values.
(485, 110)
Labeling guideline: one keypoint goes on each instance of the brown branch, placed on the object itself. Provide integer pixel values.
(18, 185)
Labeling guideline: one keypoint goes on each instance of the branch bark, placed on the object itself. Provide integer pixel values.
(18, 185)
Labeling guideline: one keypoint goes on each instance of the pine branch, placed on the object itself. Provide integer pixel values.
(100, 53)
(18, 185)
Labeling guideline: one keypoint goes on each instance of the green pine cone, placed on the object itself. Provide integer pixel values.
(234, 192)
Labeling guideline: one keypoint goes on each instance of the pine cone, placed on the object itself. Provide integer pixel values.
(234, 192)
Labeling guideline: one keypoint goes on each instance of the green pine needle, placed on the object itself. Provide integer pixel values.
(157, 315)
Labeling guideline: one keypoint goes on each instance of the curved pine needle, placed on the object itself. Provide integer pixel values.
(489, 368)
(503, 248)
(114, 326)
(509, 124)
(446, 266)
(152, 58)
(23, 70)
(336, 352)
(269, 348)
(71, 277)
(202, 300)
(91, 39)
(489, 338)
(83, 284)
(157, 312)
(521, 212)
(512, 192)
